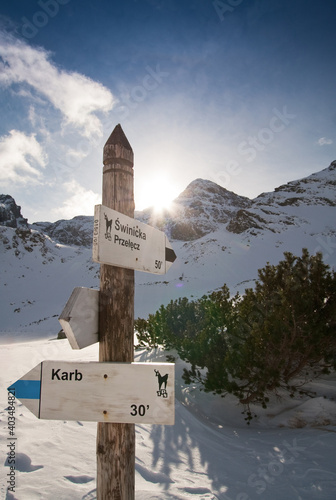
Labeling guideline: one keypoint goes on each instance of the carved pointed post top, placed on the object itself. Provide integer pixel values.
(118, 191)
(118, 137)
(117, 147)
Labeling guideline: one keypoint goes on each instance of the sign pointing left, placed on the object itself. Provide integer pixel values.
(28, 390)
(99, 392)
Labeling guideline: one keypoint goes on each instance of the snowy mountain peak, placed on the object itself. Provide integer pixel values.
(208, 191)
(197, 211)
(10, 213)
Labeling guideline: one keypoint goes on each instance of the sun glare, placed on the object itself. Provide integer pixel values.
(157, 193)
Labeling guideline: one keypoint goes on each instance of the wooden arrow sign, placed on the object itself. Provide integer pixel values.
(119, 240)
(99, 392)
(79, 318)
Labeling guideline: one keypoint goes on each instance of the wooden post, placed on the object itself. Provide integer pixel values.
(116, 442)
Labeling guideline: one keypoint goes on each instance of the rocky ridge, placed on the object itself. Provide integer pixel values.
(76, 231)
(286, 205)
(202, 208)
(10, 213)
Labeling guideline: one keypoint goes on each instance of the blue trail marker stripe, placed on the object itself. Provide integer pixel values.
(26, 389)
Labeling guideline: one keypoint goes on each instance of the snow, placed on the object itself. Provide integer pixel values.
(39, 273)
(210, 453)
(287, 452)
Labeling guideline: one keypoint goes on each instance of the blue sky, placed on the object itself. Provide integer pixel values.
(240, 92)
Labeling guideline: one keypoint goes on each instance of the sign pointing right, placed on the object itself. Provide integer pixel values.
(119, 240)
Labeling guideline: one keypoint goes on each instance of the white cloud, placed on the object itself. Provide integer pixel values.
(80, 202)
(324, 141)
(75, 95)
(17, 153)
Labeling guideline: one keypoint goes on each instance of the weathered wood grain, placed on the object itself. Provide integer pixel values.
(116, 442)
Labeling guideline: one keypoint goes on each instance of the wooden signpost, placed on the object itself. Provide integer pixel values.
(116, 441)
(99, 392)
(115, 392)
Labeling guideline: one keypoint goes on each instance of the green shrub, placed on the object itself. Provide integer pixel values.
(273, 339)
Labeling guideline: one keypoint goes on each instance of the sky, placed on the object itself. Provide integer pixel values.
(240, 92)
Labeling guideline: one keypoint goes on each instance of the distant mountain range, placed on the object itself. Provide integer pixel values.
(219, 237)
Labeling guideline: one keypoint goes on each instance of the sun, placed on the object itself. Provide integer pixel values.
(157, 193)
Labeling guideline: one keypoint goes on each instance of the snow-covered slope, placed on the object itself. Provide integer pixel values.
(209, 454)
(37, 277)
(296, 203)
(218, 236)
